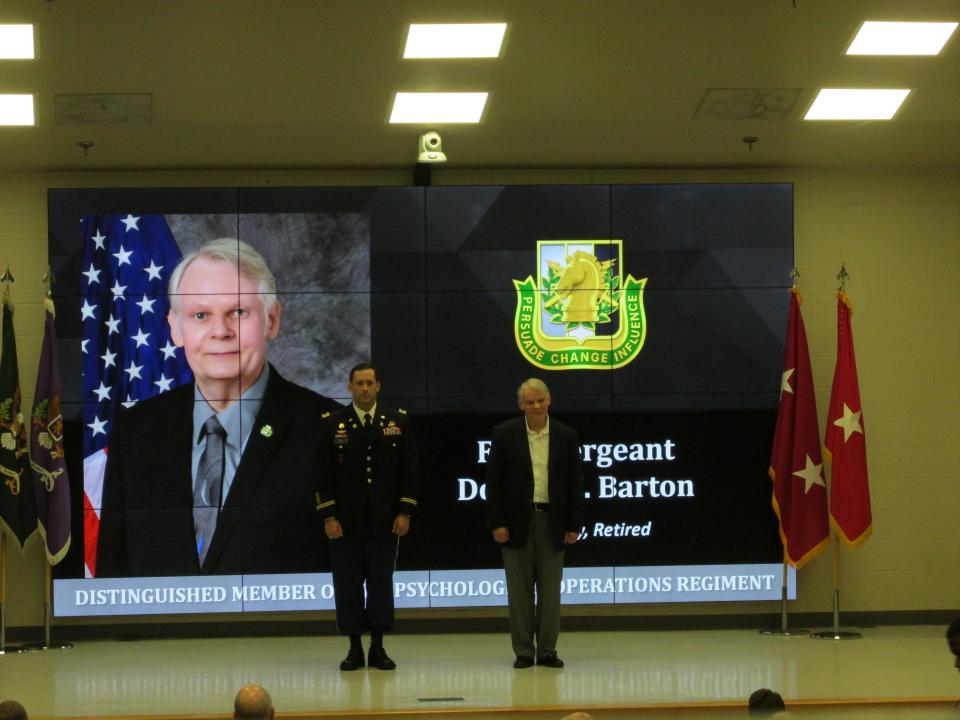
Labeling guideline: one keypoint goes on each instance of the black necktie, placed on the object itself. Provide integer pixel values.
(367, 423)
(209, 487)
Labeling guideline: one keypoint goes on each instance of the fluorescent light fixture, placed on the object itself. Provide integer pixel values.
(442, 107)
(16, 42)
(16, 110)
(901, 38)
(856, 104)
(461, 40)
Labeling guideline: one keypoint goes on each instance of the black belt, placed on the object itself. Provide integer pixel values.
(541, 507)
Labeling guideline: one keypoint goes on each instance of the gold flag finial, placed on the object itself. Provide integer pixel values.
(842, 277)
(48, 278)
(6, 279)
(795, 275)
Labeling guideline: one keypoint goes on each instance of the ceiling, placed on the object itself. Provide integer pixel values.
(300, 84)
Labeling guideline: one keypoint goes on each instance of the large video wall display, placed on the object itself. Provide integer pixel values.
(654, 313)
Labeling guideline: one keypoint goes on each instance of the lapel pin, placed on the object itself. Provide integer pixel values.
(266, 431)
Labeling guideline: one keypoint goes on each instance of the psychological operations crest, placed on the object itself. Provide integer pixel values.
(581, 314)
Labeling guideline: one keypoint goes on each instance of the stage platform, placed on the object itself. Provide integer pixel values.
(892, 672)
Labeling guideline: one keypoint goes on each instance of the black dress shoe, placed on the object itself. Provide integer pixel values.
(523, 661)
(353, 660)
(378, 658)
(550, 660)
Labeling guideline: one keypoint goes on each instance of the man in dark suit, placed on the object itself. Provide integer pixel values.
(953, 640)
(368, 491)
(534, 509)
(218, 476)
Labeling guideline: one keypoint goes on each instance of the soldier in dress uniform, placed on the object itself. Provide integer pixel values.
(368, 491)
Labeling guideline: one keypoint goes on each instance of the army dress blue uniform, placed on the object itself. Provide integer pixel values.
(367, 478)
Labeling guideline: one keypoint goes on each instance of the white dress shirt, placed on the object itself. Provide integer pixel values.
(539, 442)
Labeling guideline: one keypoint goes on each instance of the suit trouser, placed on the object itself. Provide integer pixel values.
(357, 558)
(535, 565)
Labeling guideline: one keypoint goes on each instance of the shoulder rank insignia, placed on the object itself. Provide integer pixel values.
(401, 411)
(326, 414)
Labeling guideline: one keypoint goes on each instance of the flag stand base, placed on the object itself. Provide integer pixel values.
(6, 649)
(47, 644)
(785, 632)
(836, 633)
(13, 649)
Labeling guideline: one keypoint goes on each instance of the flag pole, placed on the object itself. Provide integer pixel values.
(6, 278)
(4, 648)
(784, 630)
(836, 633)
(47, 614)
(48, 279)
(47, 584)
(783, 598)
(836, 585)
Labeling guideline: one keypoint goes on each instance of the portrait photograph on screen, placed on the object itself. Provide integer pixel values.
(654, 313)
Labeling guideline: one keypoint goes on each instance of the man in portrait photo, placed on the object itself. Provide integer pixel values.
(216, 476)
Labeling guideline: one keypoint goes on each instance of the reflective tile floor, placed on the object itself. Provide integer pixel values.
(901, 672)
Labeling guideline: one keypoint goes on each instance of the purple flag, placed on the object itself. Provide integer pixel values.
(51, 484)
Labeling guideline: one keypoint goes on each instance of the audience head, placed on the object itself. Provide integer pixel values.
(578, 715)
(12, 710)
(765, 702)
(253, 703)
(953, 638)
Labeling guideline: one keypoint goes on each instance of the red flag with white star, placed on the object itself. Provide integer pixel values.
(796, 464)
(845, 441)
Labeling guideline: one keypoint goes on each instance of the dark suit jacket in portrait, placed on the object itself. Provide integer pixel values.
(366, 489)
(268, 521)
(510, 482)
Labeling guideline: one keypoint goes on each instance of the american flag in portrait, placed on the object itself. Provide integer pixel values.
(127, 352)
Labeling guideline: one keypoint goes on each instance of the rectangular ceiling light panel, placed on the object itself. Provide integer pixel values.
(16, 110)
(901, 38)
(16, 42)
(461, 40)
(856, 104)
(447, 107)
